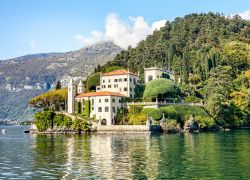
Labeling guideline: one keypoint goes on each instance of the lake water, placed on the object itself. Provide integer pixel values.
(126, 156)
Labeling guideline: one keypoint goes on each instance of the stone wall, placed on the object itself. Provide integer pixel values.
(128, 128)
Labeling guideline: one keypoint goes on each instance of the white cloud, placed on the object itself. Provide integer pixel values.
(33, 44)
(245, 15)
(121, 33)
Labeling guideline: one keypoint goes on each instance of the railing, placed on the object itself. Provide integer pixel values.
(164, 104)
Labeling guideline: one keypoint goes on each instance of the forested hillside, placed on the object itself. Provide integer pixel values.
(192, 44)
(211, 55)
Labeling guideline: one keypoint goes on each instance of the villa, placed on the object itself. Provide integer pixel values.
(104, 104)
(121, 81)
(156, 73)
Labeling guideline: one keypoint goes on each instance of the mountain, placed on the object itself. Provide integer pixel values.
(24, 77)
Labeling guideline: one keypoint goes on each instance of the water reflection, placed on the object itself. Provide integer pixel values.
(125, 156)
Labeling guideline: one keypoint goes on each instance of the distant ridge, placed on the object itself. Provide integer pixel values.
(26, 76)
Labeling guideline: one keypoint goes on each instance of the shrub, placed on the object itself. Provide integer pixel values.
(120, 113)
(192, 99)
(182, 112)
(161, 88)
(135, 109)
(205, 122)
(59, 120)
(47, 119)
(80, 125)
(137, 119)
(44, 120)
(156, 114)
(67, 122)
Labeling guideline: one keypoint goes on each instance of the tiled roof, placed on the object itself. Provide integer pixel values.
(102, 93)
(118, 72)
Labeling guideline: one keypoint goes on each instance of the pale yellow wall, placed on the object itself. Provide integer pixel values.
(155, 73)
(107, 83)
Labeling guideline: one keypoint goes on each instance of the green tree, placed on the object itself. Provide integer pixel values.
(93, 81)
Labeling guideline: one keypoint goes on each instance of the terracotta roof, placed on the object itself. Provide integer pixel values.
(102, 93)
(118, 72)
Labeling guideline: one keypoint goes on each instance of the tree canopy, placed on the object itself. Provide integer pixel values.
(54, 99)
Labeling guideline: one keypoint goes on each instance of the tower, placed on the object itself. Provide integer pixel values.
(80, 88)
(72, 88)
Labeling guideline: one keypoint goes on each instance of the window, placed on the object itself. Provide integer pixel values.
(93, 108)
(120, 89)
(106, 109)
(120, 80)
(106, 100)
(103, 86)
(125, 79)
(103, 81)
(109, 80)
(109, 86)
(130, 89)
(131, 96)
(93, 102)
(113, 100)
(115, 80)
(116, 86)
(130, 79)
(120, 101)
(100, 100)
(150, 78)
(99, 109)
(134, 81)
(125, 89)
(113, 109)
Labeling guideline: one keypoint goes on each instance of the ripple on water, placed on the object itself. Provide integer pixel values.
(187, 156)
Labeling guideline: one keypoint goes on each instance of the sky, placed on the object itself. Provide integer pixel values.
(42, 26)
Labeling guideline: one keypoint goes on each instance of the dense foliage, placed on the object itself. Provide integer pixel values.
(194, 44)
(182, 112)
(156, 114)
(161, 88)
(93, 81)
(48, 120)
(44, 120)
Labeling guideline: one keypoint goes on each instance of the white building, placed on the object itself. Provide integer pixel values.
(121, 81)
(102, 106)
(156, 73)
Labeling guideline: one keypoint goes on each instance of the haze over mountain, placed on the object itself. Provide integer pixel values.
(24, 77)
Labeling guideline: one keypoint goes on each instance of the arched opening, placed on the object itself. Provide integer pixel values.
(104, 122)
